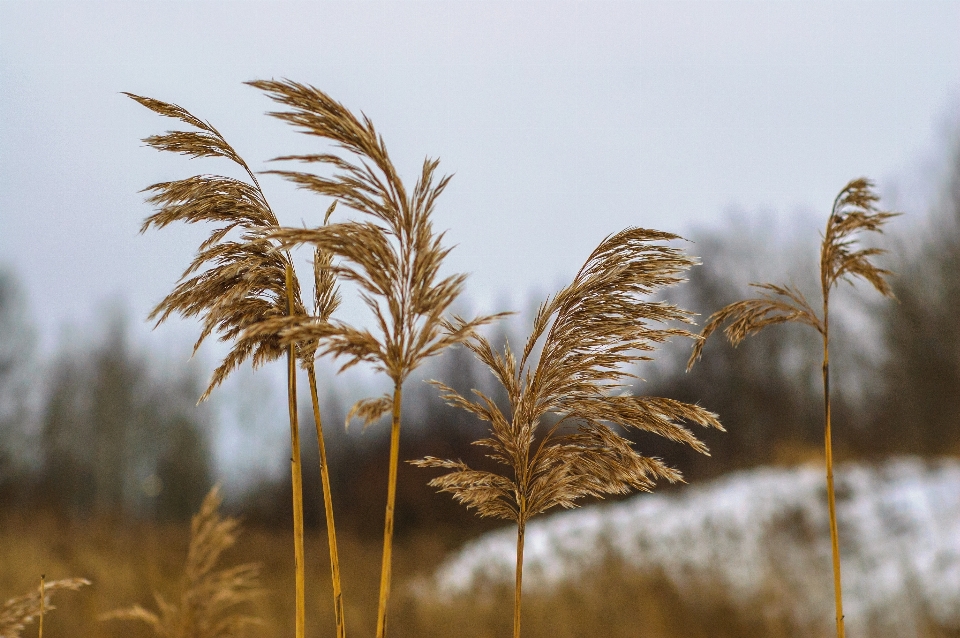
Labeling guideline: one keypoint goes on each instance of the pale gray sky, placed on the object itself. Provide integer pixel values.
(563, 122)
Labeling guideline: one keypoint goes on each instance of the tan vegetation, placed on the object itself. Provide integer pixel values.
(18, 612)
(611, 600)
(241, 284)
(591, 331)
(854, 210)
(560, 428)
(211, 600)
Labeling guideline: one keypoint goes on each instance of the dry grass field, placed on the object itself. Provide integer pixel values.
(128, 562)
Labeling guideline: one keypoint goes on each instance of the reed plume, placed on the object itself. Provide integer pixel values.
(210, 599)
(19, 612)
(591, 331)
(234, 284)
(854, 210)
(394, 258)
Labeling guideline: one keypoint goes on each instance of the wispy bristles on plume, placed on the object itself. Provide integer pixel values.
(394, 258)
(854, 210)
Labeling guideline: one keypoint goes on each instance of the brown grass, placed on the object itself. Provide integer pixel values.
(394, 259)
(592, 331)
(854, 211)
(210, 599)
(609, 600)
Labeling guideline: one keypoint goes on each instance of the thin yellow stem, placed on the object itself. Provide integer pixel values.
(519, 585)
(295, 471)
(831, 498)
(42, 595)
(385, 566)
(328, 506)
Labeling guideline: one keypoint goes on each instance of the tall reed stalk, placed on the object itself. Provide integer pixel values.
(394, 259)
(296, 470)
(854, 210)
(236, 284)
(43, 595)
(591, 332)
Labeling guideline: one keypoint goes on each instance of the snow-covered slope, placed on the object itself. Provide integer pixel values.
(763, 533)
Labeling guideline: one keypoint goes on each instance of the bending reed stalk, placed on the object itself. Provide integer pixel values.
(295, 469)
(828, 455)
(328, 506)
(386, 566)
(854, 210)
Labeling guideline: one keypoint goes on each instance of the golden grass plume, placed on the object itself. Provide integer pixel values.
(231, 283)
(591, 332)
(854, 210)
(393, 257)
(210, 599)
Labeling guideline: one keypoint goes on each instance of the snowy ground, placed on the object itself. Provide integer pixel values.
(764, 536)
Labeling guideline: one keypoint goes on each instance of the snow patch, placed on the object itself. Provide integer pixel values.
(899, 527)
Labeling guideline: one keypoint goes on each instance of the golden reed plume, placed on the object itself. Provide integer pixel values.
(591, 331)
(393, 257)
(854, 210)
(210, 599)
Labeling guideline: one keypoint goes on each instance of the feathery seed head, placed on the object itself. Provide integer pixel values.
(19, 612)
(232, 285)
(854, 210)
(209, 600)
(393, 257)
(592, 330)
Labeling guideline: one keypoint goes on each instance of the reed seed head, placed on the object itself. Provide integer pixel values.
(232, 284)
(210, 600)
(19, 612)
(393, 256)
(591, 331)
(854, 210)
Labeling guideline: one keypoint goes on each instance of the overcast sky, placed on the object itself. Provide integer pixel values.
(563, 122)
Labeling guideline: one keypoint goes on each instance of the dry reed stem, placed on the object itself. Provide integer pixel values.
(19, 612)
(591, 331)
(42, 595)
(296, 470)
(393, 259)
(854, 210)
(209, 599)
(328, 510)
